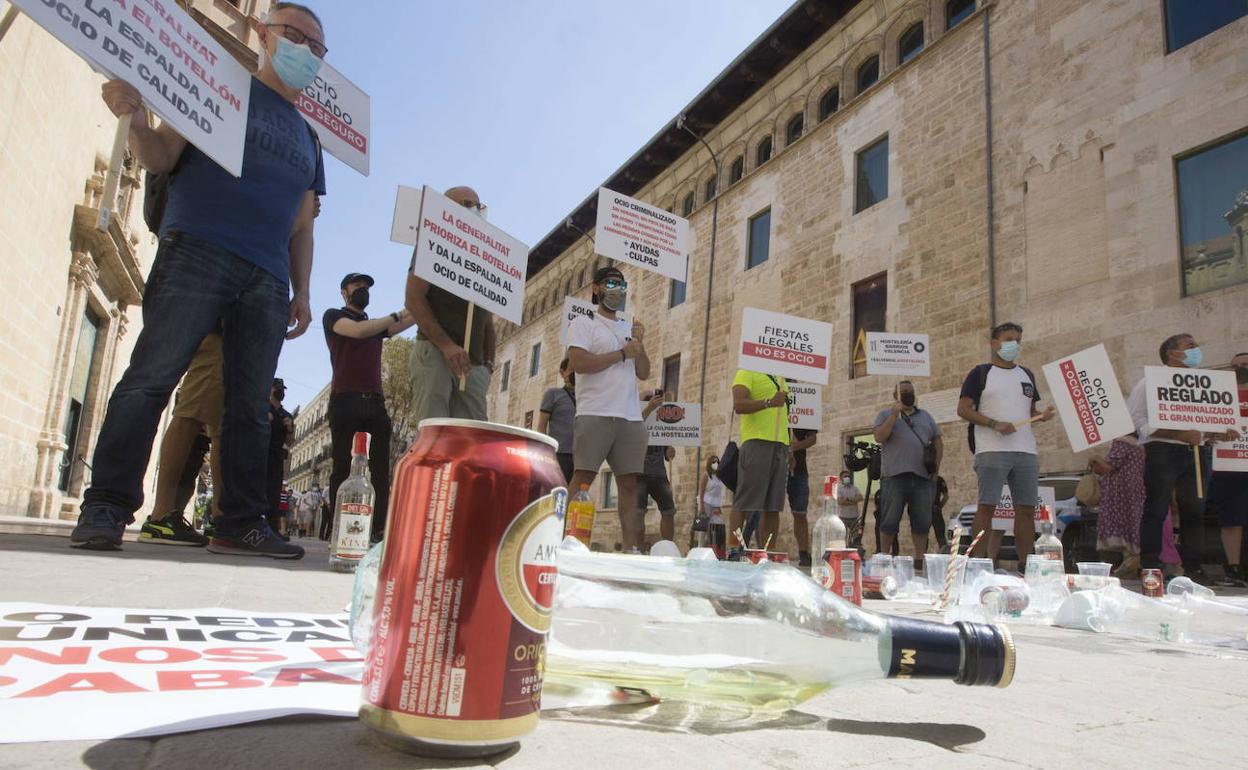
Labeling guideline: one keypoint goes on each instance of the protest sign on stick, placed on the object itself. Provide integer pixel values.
(339, 111)
(785, 345)
(112, 179)
(805, 406)
(1205, 400)
(1088, 399)
(675, 424)
(635, 233)
(904, 354)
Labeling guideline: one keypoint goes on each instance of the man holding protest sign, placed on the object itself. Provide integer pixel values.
(231, 249)
(910, 458)
(998, 400)
(762, 400)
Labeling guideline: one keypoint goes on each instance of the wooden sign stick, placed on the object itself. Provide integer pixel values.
(463, 380)
(112, 180)
(1200, 481)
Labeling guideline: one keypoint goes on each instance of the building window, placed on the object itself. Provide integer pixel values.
(910, 43)
(610, 495)
(82, 378)
(872, 176)
(535, 360)
(793, 130)
(763, 153)
(677, 295)
(506, 379)
(760, 239)
(829, 102)
(868, 73)
(736, 170)
(712, 185)
(528, 419)
(686, 208)
(1213, 216)
(957, 11)
(1189, 20)
(870, 310)
(671, 376)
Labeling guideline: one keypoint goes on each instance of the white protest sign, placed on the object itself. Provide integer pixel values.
(903, 354)
(1003, 516)
(184, 75)
(1191, 399)
(405, 225)
(785, 345)
(339, 111)
(1232, 455)
(805, 406)
(574, 308)
(89, 673)
(675, 424)
(637, 233)
(1088, 399)
(459, 251)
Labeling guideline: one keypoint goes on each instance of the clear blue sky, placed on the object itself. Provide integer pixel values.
(532, 103)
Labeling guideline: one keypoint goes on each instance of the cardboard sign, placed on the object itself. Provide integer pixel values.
(805, 406)
(1232, 455)
(1003, 516)
(1088, 399)
(903, 354)
(339, 111)
(185, 76)
(675, 424)
(574, 308)
(459, 251)
(636, 233)
(785, 345)
(1191, 399)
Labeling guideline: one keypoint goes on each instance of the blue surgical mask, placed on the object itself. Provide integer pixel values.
(1192, 358)
(296, 65)
(1009, 350)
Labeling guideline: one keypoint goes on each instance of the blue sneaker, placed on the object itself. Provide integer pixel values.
(99, 529)
(258, 540)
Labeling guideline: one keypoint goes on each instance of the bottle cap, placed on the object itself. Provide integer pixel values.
(974, 654)
(829, 485)
(360, 446)
(584, 487)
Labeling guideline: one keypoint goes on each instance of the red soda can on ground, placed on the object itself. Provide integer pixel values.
(754, 555)
(779, 557)
(464, 590)
(845, 573)
(1152, 583)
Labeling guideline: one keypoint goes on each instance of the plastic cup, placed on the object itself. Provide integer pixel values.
(1094, 568)
(903, 572)
(934, 567)
(977, 567)
(880, 565)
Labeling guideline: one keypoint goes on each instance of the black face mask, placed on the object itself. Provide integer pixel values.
(907, 399)
(359, 298)
(279, 394)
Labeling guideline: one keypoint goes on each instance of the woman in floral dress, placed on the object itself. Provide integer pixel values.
(1122, 500)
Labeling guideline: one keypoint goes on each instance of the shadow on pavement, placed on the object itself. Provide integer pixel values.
(316, 557)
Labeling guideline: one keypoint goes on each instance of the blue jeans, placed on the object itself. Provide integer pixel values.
(193, 285)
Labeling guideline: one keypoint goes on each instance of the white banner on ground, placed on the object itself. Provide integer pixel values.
(185, 76)
(459, 251)
(675, 424)
(805, 406)
(1088, 399)
(1191, 399)
(785, 345)
(636, 233)
(574, 308)
(1003, 516)
(90, 673)
(904, 354)
(339, 111)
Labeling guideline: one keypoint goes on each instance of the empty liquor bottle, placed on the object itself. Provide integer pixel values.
(353, 514)
(828, 532)
(1047, 545)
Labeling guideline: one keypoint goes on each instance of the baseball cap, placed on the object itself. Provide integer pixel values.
(349, 277)
(603, 273)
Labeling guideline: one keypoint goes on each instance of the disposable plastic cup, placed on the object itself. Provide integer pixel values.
(977, 567)
(934, 567)
(1094, 568)
(880, 565)
(903, 572)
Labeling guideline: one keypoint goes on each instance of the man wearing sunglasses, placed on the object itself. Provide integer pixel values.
(608, 358)
(443, 354)
(231, 251)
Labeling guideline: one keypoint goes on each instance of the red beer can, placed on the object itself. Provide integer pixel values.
(1152, 583)
(464, 590)
(844, 573)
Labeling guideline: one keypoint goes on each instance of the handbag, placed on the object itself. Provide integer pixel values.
(929, 450)
(728, 459)
(1088, 492)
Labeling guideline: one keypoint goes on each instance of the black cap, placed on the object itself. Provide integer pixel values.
(278, 382)
(603, 273)
(349, 277)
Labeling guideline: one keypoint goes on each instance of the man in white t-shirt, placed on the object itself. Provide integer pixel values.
(608, 358)
(998, 399)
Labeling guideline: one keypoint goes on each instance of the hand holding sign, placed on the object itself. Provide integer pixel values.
(123, 99)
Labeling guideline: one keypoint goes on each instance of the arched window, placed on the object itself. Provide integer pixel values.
(829, 102)
(763, 154)
(686, 208)
(868, 73)
(712, 187)
(793, 129)
(736, 170)
(910, 42)
(956, 12)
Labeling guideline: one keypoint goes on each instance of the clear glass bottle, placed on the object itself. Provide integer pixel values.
(828, 532)
(1047, 545)
(353, 511)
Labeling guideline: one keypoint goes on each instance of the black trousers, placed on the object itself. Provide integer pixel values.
(1170, 472)
(350, 413)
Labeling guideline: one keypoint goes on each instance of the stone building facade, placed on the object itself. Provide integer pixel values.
(1033, 160)
(311, 453)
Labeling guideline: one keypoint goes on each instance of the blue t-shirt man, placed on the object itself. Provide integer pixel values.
(250, 216)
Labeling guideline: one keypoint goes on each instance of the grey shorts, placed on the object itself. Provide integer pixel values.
(1021, 470)
(762, 475)
(621, 443)
(906, 491)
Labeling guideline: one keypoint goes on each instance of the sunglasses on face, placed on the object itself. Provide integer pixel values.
(478, 205)
(297, 36)
(615, 283)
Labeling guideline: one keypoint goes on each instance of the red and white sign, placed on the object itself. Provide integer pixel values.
(636, 233)
(675, 424)
(785, 345)
(908, 355)
(459, 251)
(805, 406)
(185, 76)
(1088, 399)
(1233, 455)
(1003, 516)
(339, 111)
(574, 308)
(1191, 399)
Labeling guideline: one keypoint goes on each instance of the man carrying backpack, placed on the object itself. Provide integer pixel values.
(910, 454)
(998, 399)
(231, 249)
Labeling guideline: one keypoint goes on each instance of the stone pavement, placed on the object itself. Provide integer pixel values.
(1078, 699)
